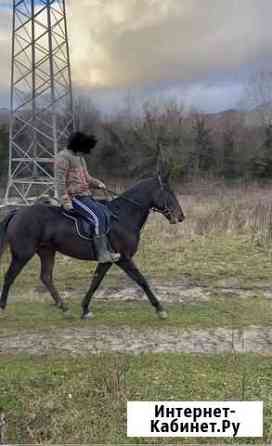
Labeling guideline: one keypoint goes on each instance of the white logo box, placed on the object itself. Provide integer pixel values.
(195, 419)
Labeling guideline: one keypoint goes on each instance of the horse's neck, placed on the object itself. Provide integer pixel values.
(135, 205)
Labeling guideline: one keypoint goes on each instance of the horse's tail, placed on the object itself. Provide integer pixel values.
(3, 231)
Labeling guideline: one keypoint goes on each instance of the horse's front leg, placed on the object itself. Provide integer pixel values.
(132, 271)
(99, 274)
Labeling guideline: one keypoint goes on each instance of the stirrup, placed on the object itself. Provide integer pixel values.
(104, 254)
(109, 257)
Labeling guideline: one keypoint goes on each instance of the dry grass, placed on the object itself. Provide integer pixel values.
(215, 208)
(212, 206)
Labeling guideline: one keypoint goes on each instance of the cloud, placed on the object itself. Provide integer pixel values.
(5, 48)
(202, 96)
(5, 4)
(161, 47)
(123, 43)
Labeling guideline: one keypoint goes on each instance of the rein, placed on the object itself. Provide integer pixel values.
(129, 200)
(166, 211)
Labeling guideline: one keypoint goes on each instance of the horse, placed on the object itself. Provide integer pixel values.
(43, 230)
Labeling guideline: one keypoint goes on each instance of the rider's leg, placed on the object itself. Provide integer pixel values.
(104, 255)
(86, 213)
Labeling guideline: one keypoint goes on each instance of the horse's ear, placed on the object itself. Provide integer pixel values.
(163, 173)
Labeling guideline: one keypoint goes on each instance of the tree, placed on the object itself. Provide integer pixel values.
(261, 162)
(258, 98)
(229, 165)
(87, 117)
(203, 156)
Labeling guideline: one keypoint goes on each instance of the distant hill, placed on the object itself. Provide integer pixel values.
(251, 118)
(219, 119)
(260, 114)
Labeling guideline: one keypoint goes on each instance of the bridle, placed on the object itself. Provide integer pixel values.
(165, 211)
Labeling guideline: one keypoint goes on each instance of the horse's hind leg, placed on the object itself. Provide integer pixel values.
(99, 274)
(132, 271)
(47, 258)
(16, 265)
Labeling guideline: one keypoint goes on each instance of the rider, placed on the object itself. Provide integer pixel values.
(73, 189)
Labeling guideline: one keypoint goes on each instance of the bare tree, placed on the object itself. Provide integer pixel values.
(86, 115)
(258, 98)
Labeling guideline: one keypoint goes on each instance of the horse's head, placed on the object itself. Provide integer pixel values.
(165, 201)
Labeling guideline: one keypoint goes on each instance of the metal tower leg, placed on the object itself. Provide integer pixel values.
(41, 101)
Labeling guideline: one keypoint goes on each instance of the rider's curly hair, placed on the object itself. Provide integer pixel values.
(81, 142)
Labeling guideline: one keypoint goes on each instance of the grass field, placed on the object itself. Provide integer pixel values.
(63, 400)
(219, 312)
(224, 244)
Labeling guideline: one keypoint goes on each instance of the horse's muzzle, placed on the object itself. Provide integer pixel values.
(181, 218)
(174, 219)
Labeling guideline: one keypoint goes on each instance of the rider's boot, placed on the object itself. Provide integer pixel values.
(102, 250)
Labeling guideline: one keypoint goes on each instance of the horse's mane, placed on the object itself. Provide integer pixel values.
(135, 188)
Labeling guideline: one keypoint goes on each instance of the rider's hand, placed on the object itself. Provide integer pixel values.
(101, 185)
(68, 206)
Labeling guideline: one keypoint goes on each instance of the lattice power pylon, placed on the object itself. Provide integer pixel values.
(41, 100)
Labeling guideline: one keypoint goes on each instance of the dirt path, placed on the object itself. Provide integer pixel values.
(81, 341)
(183, 292)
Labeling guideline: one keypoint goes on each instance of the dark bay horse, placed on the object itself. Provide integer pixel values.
(42, 229)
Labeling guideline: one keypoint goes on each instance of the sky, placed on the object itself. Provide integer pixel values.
(199, 52)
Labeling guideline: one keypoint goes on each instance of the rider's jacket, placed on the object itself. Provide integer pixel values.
(72, 176)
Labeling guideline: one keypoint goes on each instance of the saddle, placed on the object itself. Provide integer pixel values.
(83, 227)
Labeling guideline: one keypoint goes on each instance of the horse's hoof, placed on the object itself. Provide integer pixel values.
(64, 308)
(87, 316)
(163, 314)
